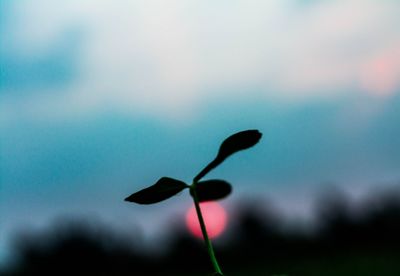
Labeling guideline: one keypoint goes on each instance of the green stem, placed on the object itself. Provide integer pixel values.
(204, 231)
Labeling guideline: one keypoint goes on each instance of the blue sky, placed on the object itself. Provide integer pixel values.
(101, 98)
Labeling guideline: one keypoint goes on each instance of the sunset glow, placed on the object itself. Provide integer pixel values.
(381, 76)
(215, 218)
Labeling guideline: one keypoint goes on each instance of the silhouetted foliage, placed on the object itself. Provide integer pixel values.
(201, 191)
(165, 188)
(234, 143)
(350, 240)
(212, 190)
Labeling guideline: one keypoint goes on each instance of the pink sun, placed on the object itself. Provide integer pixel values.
(215, 218)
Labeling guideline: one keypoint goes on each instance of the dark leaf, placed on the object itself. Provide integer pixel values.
(234, 143)
(238, 141)
(212, 190)
(164, 188)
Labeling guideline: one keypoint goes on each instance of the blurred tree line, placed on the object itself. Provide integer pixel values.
(346, 240)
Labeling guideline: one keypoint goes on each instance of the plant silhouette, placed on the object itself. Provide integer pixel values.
(200, 191)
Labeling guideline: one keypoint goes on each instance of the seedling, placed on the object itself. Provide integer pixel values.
(200, 191)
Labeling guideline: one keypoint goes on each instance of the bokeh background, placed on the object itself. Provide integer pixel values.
(100, 98)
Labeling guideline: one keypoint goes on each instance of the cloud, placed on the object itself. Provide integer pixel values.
(160, 58)
(54, 69)
(380, 75)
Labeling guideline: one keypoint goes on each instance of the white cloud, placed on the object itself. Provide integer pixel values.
(164, 57)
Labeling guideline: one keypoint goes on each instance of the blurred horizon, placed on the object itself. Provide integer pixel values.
(346, 238)
(101, 98)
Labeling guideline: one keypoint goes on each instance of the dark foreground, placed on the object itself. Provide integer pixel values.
(355, 242)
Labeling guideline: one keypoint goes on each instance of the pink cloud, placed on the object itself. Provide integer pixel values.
(380, 74)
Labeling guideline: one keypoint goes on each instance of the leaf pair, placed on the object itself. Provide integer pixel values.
(167, 187)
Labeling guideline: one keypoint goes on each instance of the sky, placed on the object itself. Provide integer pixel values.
(100, 98)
